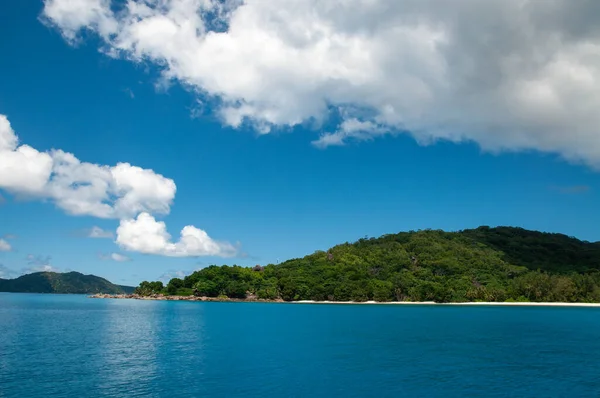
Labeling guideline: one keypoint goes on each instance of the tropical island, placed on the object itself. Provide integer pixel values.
(502, 264)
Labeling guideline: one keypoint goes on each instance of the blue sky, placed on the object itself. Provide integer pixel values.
(269, 196)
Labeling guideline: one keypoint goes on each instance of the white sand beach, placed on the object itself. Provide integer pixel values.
(508, 304)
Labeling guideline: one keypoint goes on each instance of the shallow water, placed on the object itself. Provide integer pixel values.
(65, 345)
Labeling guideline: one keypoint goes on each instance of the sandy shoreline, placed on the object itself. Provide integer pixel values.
(213, 299)
(470, 303)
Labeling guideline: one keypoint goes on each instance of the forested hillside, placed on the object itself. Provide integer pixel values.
(54, 282)
(483, 264)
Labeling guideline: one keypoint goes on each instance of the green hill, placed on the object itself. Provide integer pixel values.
(539, 250)
(53, 282)
(483, 264)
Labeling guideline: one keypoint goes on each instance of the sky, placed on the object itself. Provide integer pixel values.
(142, 141)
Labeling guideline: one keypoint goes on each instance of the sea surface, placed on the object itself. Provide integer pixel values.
(73, 346)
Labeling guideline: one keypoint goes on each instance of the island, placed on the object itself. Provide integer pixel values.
(495, 265)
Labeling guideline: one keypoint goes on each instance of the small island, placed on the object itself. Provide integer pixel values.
(482, 265)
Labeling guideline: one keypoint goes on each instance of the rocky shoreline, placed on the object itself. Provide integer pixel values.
(180, 298)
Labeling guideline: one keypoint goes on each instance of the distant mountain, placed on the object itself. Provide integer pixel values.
(54, 282)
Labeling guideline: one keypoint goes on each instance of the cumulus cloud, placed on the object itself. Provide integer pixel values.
(350, 129)
(507, 74)
(122, 191)
(118, 257)
(23, 169)
(80, 188)
(98, 233)
(72, 14)
(4, 246)
(146, 235)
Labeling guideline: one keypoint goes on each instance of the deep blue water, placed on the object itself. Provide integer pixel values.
(69, 346)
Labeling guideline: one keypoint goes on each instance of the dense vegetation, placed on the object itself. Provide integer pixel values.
(53, 282)
(483, 264)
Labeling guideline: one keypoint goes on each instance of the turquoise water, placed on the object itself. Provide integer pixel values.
(67, 346)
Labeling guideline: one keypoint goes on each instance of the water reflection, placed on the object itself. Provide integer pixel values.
(127, 352)
(146, 343)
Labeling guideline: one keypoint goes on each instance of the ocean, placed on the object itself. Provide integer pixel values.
(73, 346)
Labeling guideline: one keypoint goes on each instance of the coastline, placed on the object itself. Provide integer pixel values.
(467, 303)
(161, 297)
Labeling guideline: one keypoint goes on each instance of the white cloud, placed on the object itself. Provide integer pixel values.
(4, 246)
(79, 188)
(114, 257)
(8, 140)
(146, 235)
(108, 192)
(119, 257)
(507, 74)
(99, 233)
(350, 129)
(73, 14)
(23, 169)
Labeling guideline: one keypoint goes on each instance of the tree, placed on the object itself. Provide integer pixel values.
(207, 288)
(174, 285)
(236, 289)
(382, 290)
(148, 288)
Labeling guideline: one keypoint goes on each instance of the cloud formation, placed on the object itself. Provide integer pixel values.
(146, 235)
(118, 257)
(99, 233)
(350, 129)
(506, 74)
(4, 246)
(80, 188)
